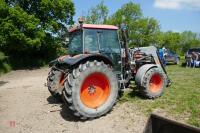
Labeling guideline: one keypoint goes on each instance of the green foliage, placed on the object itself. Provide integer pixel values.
(32, 32)
(141, 30)
(188, 40)
(145, 32)
(4, 66)
(19, 30)
(97, 14)
(178, 42)
(169, 40)
(126, 14)
(53, 14)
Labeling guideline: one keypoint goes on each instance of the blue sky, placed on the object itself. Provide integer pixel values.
(175, 15)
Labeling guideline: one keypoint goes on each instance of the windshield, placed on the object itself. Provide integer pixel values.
(75, 43)
(194, 50)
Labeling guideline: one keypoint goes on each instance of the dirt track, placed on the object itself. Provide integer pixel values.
(26, 106)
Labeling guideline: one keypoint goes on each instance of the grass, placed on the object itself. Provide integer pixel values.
(181, 99)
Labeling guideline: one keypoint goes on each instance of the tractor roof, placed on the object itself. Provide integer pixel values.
(95, 26)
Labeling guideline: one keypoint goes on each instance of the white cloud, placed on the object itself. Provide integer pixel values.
(177, 4)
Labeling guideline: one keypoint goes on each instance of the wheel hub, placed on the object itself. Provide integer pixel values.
(155, 83)
(91, 89)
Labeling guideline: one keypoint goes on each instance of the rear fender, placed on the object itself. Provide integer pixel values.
(74, 61)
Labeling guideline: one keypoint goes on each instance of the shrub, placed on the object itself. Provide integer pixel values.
(4, 66)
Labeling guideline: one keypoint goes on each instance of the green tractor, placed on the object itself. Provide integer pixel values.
(99, 65)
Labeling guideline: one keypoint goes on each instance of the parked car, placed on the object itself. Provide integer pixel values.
(167, 56)
(192, 57)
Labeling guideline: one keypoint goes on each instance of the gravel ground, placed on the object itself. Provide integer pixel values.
(26, 106)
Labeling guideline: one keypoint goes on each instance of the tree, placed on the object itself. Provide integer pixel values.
(188, 40)
(97, 14)
(145, 31)
(172, 41)
(142, 30)
(33, 29)
(53, 14)
(18, 30)
(128, 14)
(178, 42)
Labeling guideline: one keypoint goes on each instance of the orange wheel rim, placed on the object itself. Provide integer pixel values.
(62, 79)
(156, 83)
(95, 90)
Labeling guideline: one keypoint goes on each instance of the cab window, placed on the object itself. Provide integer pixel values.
(109, 42)
(75, 42)
(90, 41)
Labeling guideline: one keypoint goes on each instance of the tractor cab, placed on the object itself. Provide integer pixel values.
(96, 39)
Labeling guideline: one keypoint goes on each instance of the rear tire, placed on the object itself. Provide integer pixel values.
(153, 83)
(91, 90)
(55, 83)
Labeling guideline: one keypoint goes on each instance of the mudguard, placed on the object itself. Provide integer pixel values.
(141, 72)
(72, 61)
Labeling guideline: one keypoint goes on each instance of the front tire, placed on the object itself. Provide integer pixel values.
(91, 90)
(153, 83)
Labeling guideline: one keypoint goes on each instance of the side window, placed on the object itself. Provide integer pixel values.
(75, 43)
(109, 41)
(91, 44)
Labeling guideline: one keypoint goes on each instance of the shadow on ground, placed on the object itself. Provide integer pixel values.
(65, 112)
(135, 92)
(53, 100)
(68, 115)
(3, 83)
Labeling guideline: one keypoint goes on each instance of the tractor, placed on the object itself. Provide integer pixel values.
(99, 65)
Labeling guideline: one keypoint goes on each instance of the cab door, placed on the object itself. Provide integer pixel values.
(109, 46)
